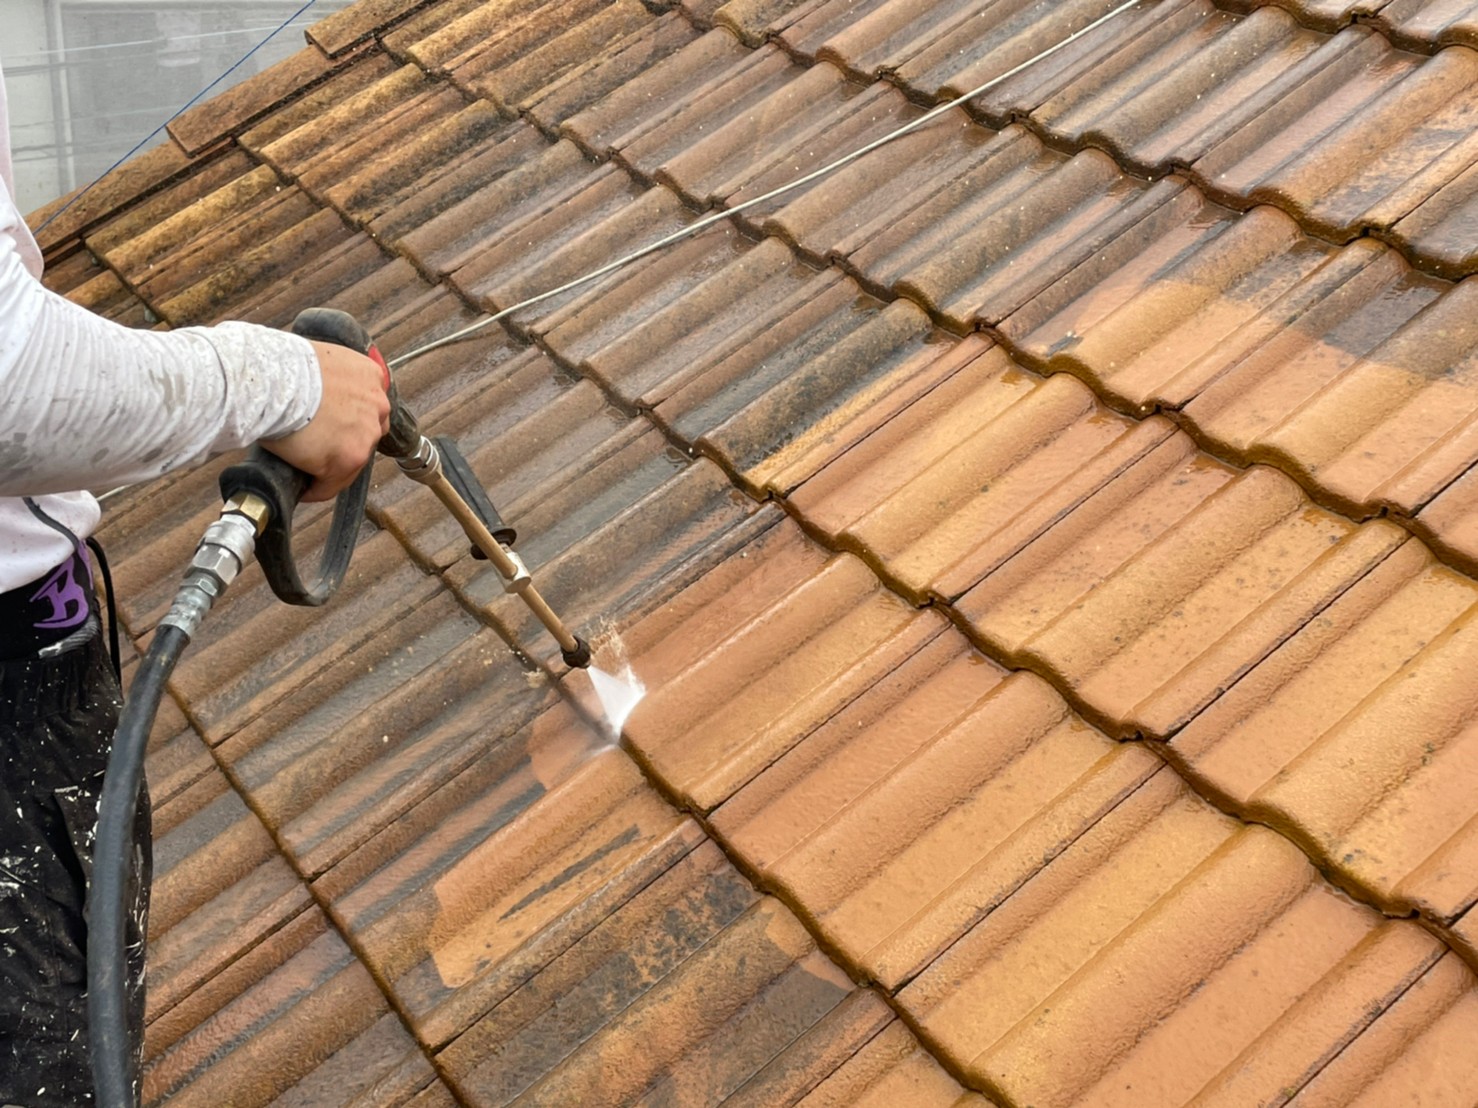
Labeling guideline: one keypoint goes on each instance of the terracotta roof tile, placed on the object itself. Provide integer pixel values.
(962, 480)
(724, 991)
(469, 894)
(379, 731)
(1191, 79)
(792, 635)
(1334, 149)
(949, 226)
(923, 804)
(607, 69)
(1169, 582)
(333, 34)
(259, 652)
(313, 1030)
(1428, 23)
(521, 178)
(1358, 734)
(1416, 1044)
(116, 190)
(1450, 521)
(513, 60)
(206, 124)
(892, 1068)
(693, 92)
(548, 924)
(1233, 972)
(606, 215)
(1342, 366)
(618, 532)
(1323, 15)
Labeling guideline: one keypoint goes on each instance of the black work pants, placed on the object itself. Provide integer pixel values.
(57, 718)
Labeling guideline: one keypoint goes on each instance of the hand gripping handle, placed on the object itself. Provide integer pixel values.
(281, 485)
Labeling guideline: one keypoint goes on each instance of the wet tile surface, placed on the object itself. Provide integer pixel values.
(1113, 373)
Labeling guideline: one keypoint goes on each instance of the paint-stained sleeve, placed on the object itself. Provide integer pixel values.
(85, 402)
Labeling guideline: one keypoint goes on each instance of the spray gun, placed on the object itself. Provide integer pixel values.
(260, 496)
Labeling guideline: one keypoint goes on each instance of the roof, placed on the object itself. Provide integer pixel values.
(1049, 541)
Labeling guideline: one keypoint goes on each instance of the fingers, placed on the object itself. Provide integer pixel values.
(352, 415)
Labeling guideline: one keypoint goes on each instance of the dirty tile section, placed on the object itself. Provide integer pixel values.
(1234, 972)
(381, 730)
(746, 661)
(1168, 583)
(707, 993)
(308, 1027)
(1424, 24)
(1359, 738)
(902, 820)
(480, 882)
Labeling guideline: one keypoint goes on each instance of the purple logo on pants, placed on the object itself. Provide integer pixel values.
(65, 594)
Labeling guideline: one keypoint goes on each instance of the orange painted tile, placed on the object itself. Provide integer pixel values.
(1232, 971)
(1450, 521)
(916, 810)
(1169, 583)
(755, 655)
(1416, 1052)
(963, 479)
(1358, 735)
(893, 1068)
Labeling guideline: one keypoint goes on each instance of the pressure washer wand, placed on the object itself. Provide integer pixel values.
(440, 467)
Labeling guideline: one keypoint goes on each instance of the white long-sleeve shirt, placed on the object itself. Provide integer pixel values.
(88, 403)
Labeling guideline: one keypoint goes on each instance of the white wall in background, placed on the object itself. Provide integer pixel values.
(88, 79)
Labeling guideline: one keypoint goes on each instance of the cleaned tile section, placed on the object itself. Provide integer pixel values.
(1416, 1048)
(707, 993)
(473, 889)
(1450, 521)
(1169, 583)
(761, 650)
(1342, 366)
(1359, 737)
(962, 480)
(1234, 973)
(915, 811)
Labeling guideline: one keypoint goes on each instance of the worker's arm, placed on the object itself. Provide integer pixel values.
(85, 402)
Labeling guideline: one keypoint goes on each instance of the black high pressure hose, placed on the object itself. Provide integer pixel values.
(261, 495)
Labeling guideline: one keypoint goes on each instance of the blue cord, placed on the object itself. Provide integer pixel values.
(197, 98)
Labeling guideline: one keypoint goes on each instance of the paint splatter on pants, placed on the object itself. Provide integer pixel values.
(57, 718)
